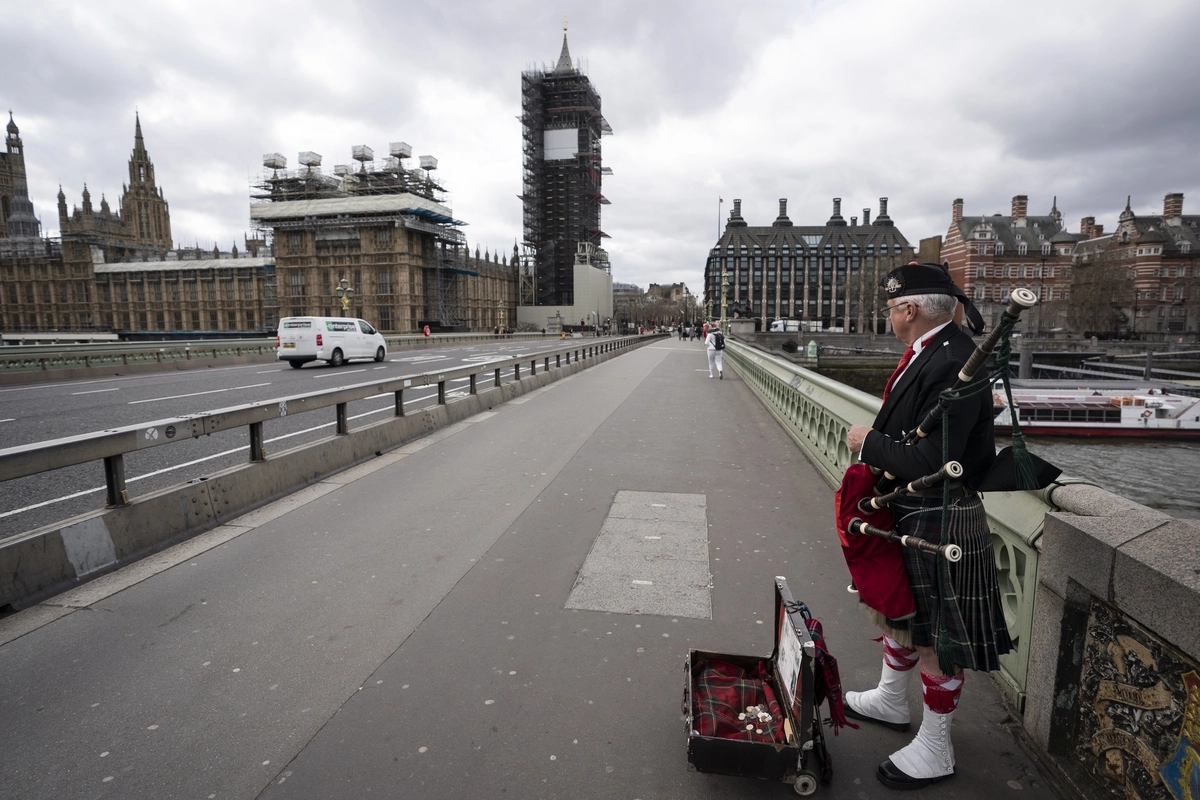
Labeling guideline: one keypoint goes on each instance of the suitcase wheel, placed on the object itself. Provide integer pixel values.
(806, 783)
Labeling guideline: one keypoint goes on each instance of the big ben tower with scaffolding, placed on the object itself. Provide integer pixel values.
(562, 127)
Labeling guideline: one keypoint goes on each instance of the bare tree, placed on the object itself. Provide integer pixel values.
(1101, 295)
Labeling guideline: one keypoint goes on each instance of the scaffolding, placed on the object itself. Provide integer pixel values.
(316, 195)
(561, 189)
(444, 305)
(527, 277)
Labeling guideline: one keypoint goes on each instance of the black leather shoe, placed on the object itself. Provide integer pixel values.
(852, 714)
(891, 776)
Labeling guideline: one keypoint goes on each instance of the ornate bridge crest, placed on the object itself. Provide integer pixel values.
(1139, 712)
(1181, 773)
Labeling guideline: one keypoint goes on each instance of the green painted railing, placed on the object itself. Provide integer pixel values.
(817, 412)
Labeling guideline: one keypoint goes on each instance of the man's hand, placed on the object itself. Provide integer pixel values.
(855, 437)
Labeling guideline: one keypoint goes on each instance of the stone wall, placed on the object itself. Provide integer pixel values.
(1113, 692)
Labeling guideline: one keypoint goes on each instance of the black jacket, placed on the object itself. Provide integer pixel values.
(972, 442)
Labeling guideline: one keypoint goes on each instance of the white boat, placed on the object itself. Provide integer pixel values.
(1129, 411)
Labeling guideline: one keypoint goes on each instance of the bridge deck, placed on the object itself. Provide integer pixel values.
(404, 629)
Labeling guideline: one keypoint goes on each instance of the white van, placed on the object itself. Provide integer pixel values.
(785, 326)
(332, 339)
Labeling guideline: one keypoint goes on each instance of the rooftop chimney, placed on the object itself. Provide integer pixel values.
(1087, 227)
(866, 216)
(735, 216)
(956, 211)
(1097, 231)
(837, 219)
(1020, 205)
(1173, 207)
(782, 220)
(883, 219)
(854, 222)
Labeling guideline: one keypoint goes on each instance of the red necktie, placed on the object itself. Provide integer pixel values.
(904, 359)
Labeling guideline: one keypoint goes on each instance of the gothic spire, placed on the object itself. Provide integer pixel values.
(139, 145)
(564, 58)
(12, 126)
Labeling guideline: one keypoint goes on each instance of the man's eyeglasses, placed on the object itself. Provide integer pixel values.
(887, 312)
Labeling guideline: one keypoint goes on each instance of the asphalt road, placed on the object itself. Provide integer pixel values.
(45, 411)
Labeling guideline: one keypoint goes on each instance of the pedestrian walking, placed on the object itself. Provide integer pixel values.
(715, 344)
(959, 622)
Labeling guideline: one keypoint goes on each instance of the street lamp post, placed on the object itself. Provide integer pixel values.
(344, 293)
(500, 312)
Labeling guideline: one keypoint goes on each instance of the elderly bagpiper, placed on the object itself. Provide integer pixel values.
(959, 623)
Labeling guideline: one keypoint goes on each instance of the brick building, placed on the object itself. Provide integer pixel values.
(117, 270)
(383, 227)
(826, 274)
(990, 256)
(1142, 280)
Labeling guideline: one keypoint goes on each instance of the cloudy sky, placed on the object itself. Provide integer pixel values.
(921, 102)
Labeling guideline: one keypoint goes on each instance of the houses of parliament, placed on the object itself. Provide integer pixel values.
(118, 271)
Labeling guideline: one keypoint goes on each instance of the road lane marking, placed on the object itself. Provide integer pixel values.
(197, 394)
(98, 391)
(339, 373)
(56, 385)
(10, 419)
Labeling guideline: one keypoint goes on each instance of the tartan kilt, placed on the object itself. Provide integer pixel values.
(974, 616)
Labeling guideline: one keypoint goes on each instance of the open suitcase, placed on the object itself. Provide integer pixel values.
(794, 751)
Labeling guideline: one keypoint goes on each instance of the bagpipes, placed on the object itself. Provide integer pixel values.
(1018, 301)
(870, 545)
(951, 552)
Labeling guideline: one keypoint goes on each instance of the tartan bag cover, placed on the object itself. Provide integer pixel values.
(723, 690)
(828, 679)
(876, 565)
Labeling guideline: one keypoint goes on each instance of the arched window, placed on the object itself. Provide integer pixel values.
(1022, 249)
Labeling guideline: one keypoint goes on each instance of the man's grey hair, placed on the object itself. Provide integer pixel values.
(938, 308)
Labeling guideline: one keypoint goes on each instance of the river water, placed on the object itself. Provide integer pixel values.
(1155, 474)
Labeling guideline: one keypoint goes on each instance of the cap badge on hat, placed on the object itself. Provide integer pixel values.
(893, 285)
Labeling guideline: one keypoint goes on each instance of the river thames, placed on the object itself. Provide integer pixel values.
(1155, 474)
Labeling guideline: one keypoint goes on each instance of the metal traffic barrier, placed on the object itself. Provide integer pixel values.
(112, 445)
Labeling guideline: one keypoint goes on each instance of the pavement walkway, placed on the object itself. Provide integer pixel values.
(423, 627)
